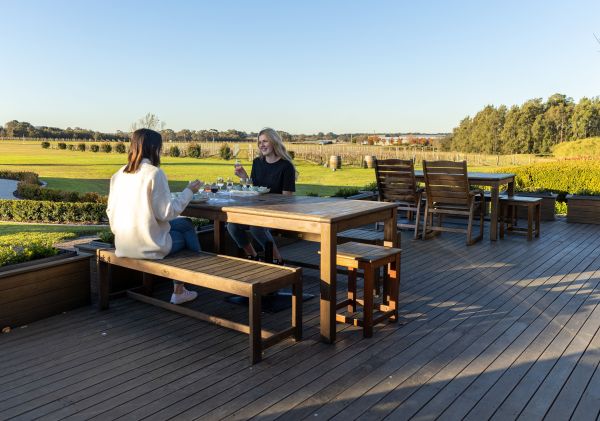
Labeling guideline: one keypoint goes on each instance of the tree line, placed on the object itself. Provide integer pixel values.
(20, 129)
(534, 127)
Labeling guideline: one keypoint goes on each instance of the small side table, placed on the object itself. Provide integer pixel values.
(508, 214)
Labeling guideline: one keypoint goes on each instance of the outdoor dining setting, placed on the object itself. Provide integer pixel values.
(455, 319)
(299, 210)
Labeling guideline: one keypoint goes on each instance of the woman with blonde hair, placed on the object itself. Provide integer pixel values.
(273, 168)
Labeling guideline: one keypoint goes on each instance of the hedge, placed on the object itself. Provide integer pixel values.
(29, 177)
(54, 212)
(562, 177)
(35, 192)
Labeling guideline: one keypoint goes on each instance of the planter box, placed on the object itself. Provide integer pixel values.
(583, 209)
(41, 288)
(548, 205)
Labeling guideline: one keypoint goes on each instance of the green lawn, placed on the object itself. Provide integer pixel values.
(88, 171)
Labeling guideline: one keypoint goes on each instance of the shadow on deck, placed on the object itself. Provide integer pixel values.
(499, 329)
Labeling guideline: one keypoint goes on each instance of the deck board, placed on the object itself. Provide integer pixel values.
(495, 330)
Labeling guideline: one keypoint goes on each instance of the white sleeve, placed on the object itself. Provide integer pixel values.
(166, 208)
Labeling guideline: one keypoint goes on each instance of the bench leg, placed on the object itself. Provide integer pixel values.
(297, 309)
(104, 277)
(255, 328)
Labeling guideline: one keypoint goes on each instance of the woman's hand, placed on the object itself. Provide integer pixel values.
(195, 185)
(240, 171)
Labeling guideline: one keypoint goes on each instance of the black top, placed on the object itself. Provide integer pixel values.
(278, 177)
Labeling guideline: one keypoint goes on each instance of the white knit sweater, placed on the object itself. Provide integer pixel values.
(139, 210)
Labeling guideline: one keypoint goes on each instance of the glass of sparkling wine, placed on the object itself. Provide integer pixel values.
(220, 183)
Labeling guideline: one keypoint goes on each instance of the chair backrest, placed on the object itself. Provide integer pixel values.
(396, 180)
(446, 183)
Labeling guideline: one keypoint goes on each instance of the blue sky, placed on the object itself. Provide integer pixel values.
(299, 66)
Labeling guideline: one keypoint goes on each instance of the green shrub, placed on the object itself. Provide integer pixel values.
(120, 148)
(225, 152)
(312, 193)
(94, 148)
(106, 237)
(54, 212)
(81, 147)
(45, 145)
(346, 191)
(106, 147)
(174, 151)
(23, 247)
(26, 176)
(71, 147)
(194, 150)
(62, 145)
(292, 154)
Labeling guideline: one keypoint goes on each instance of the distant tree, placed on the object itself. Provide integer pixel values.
(106, 147)
(168, 135)
(149, 121)
(194, 150)
(81, 147)
(120, 147)
(174, 151)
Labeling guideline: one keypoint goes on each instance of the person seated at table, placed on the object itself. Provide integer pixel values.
(273, 168)
(142, 214)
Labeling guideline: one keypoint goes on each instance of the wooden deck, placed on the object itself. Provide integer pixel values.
(498, 330)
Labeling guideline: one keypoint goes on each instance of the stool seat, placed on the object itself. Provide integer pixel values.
(370, 258)
(508, 214)
(361, 252)
(362, 235)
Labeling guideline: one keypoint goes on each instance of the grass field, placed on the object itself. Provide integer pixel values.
(88, 171)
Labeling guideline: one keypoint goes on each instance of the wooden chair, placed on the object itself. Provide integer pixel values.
(448, 193)
(396, 183)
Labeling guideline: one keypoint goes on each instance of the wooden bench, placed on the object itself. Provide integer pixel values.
(222, 273)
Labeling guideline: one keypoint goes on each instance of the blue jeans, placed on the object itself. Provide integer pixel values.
(239, 235)
(183, 236)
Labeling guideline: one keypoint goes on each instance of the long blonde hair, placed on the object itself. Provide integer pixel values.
(278, 147)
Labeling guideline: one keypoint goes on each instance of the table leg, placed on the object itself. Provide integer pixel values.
(390, 230)
(328, 282)
(219, 236)
(494, 214)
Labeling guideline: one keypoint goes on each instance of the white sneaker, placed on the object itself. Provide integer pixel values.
(184, 297)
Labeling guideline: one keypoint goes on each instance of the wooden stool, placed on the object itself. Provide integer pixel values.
(508, 214)
(369, 258)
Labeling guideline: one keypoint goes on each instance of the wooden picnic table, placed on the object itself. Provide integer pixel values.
(315, 218)
(494, 181)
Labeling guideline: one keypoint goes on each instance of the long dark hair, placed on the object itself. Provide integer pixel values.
(145, 143)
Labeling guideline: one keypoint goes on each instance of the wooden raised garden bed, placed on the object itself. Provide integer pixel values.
(41, 288)
(583, 209)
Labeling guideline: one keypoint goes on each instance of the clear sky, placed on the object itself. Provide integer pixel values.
(300, 66)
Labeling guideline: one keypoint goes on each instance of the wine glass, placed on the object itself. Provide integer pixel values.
(214, 189)
(220, 183)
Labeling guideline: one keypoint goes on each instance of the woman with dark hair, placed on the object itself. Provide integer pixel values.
(273, 168)
(142, 214)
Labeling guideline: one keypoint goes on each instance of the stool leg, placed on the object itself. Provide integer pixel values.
(352, 290)
(538, 218)
(529, 223)
(394, 276)
(501, 219)
(368, 307)
(297, 308)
